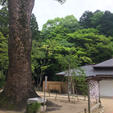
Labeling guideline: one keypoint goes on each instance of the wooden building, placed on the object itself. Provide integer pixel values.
(100, 77)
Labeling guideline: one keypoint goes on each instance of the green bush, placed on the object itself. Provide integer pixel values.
(33, 108)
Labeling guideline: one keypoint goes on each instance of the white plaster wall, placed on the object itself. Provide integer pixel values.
(106, 88)
(94, 89)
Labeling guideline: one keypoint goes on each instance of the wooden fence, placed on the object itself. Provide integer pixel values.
(56, 86)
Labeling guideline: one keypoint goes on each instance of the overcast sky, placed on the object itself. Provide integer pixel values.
(49, 9)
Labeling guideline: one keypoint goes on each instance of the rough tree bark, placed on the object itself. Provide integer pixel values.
(19, 84)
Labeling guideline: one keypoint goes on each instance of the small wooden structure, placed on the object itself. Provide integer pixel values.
(55, 86)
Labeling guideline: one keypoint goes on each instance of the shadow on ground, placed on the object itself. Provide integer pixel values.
(51, 106)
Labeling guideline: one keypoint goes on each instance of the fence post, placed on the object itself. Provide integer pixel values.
(99, 91)
(85, 111)
(69, 83)
(56, 96)
(45, 87)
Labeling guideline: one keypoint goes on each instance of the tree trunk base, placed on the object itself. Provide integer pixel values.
(9, 103)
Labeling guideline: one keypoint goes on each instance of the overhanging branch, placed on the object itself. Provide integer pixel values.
(61, 1)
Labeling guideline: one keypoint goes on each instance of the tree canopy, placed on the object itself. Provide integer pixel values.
(88, 41)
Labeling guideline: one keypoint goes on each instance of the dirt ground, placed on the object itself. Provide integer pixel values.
(57, 106)
(108, 105)
(60, 104)
(74, 108)
(10, 112)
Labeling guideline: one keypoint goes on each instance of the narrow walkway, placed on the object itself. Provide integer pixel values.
(108, 105)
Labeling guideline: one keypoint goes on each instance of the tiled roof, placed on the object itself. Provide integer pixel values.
(107, 63)
(89, 70)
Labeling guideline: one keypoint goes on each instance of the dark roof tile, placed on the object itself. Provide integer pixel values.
(107, 63)
(90, 70)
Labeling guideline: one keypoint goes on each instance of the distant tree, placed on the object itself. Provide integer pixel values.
(34, 28)
(71, 23)
(60, 26)
(4, 21)
(96, 19)
(79, 82)
(92, 44)
(105, 25)
(85, 19)
(99, 20)
(69, 62)
(3, 55)
(39, 62)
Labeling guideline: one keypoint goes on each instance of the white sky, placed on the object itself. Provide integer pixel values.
(49, 9)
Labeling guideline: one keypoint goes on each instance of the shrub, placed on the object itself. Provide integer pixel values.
(33, 108)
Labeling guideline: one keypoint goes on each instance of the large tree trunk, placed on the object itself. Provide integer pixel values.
(19, 84)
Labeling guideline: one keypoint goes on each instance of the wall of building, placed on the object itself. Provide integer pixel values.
(106, 88)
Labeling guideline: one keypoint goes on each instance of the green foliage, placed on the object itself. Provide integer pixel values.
(4, 21)
(33, 108)
(85, 19)
(59, 27)
(68, 61)
(96, 18)
(105, 25)
(63, 42)
(41, 58)
(92, 44)
(3, 59)
(80, 83)
(62, 38)
(2, 79)
(34, 28)
(3, 52)
(99, 20)
(3, 45)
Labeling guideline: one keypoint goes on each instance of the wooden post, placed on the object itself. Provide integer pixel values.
(89, 107)
(99, 91)
(85, 111)
(68, 83)
(56, 95)
(68, 90)
(45, 87)
(49, 93)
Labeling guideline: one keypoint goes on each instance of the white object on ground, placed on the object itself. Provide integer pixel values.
(37, 99)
